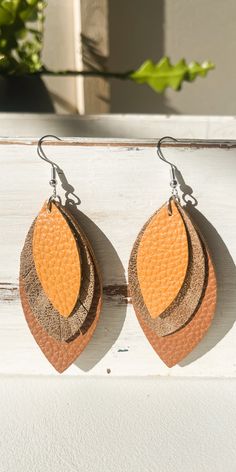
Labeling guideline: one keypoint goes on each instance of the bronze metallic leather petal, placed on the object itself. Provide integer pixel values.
(162, 259)
(175, 347)
(62, 354)
(57, 259)
(187, 300)
(59, 327)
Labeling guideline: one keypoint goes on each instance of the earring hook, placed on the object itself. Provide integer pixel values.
(173, 182)
(42, 155)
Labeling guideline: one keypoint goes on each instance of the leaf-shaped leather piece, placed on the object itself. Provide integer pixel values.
(62, 354)
(162, 259)
(58, 326)
(175, 347)
(57, 259)
(186, 302)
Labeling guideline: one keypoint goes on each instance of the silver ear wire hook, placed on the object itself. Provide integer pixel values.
(173, 181)
(42, 155)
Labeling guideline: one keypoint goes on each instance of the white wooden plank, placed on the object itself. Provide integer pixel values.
(119, 188)
(70, 424)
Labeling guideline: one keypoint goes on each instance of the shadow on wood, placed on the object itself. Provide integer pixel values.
(226, 281)
(225, 274)
(113, 312)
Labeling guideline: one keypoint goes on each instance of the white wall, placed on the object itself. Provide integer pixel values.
(60, 43)
(196, 30)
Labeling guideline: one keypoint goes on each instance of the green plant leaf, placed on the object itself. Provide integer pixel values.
(163, 74)
(6, 17)
(10, 5)
(21, 33)
(31, 2)
(21, 28)
(29, 14)
(3, 62)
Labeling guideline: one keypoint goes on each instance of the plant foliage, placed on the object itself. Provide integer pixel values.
(163, 74)
(21, 34)
(21, 42)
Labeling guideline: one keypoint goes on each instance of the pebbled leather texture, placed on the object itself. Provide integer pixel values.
(174, 333)
(62, 354)
(174, 348)
(58, 326)
(57, 259)
(61, 339)
(187, 300)
(162, 259)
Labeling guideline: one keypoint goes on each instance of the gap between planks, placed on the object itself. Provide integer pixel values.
(128, 143)
(9, 292)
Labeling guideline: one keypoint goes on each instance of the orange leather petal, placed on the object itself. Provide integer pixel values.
(187, 300)
(175, 347)
(57, 259)
(162, 259)
(57, 326)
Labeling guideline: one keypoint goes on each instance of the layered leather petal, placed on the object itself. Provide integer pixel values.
(162, 259)
(179, 328)
(187, 300)
(62, 354)
(58, 326)
(174, 348)
(61, 338)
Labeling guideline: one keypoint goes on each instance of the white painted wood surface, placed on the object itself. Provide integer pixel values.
(119, 185)
(117, 425)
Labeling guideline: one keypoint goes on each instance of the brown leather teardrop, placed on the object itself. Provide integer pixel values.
(187, 300)
(62, 354)
(58, 326)
(162, 259)
(175, 347)
(57, 259)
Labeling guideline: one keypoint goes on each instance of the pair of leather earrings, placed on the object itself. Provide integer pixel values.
(171, 279)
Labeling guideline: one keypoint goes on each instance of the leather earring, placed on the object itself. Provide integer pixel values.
(60, 283)
(172, 279)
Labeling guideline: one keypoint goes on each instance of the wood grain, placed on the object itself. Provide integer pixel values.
(119, 186)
